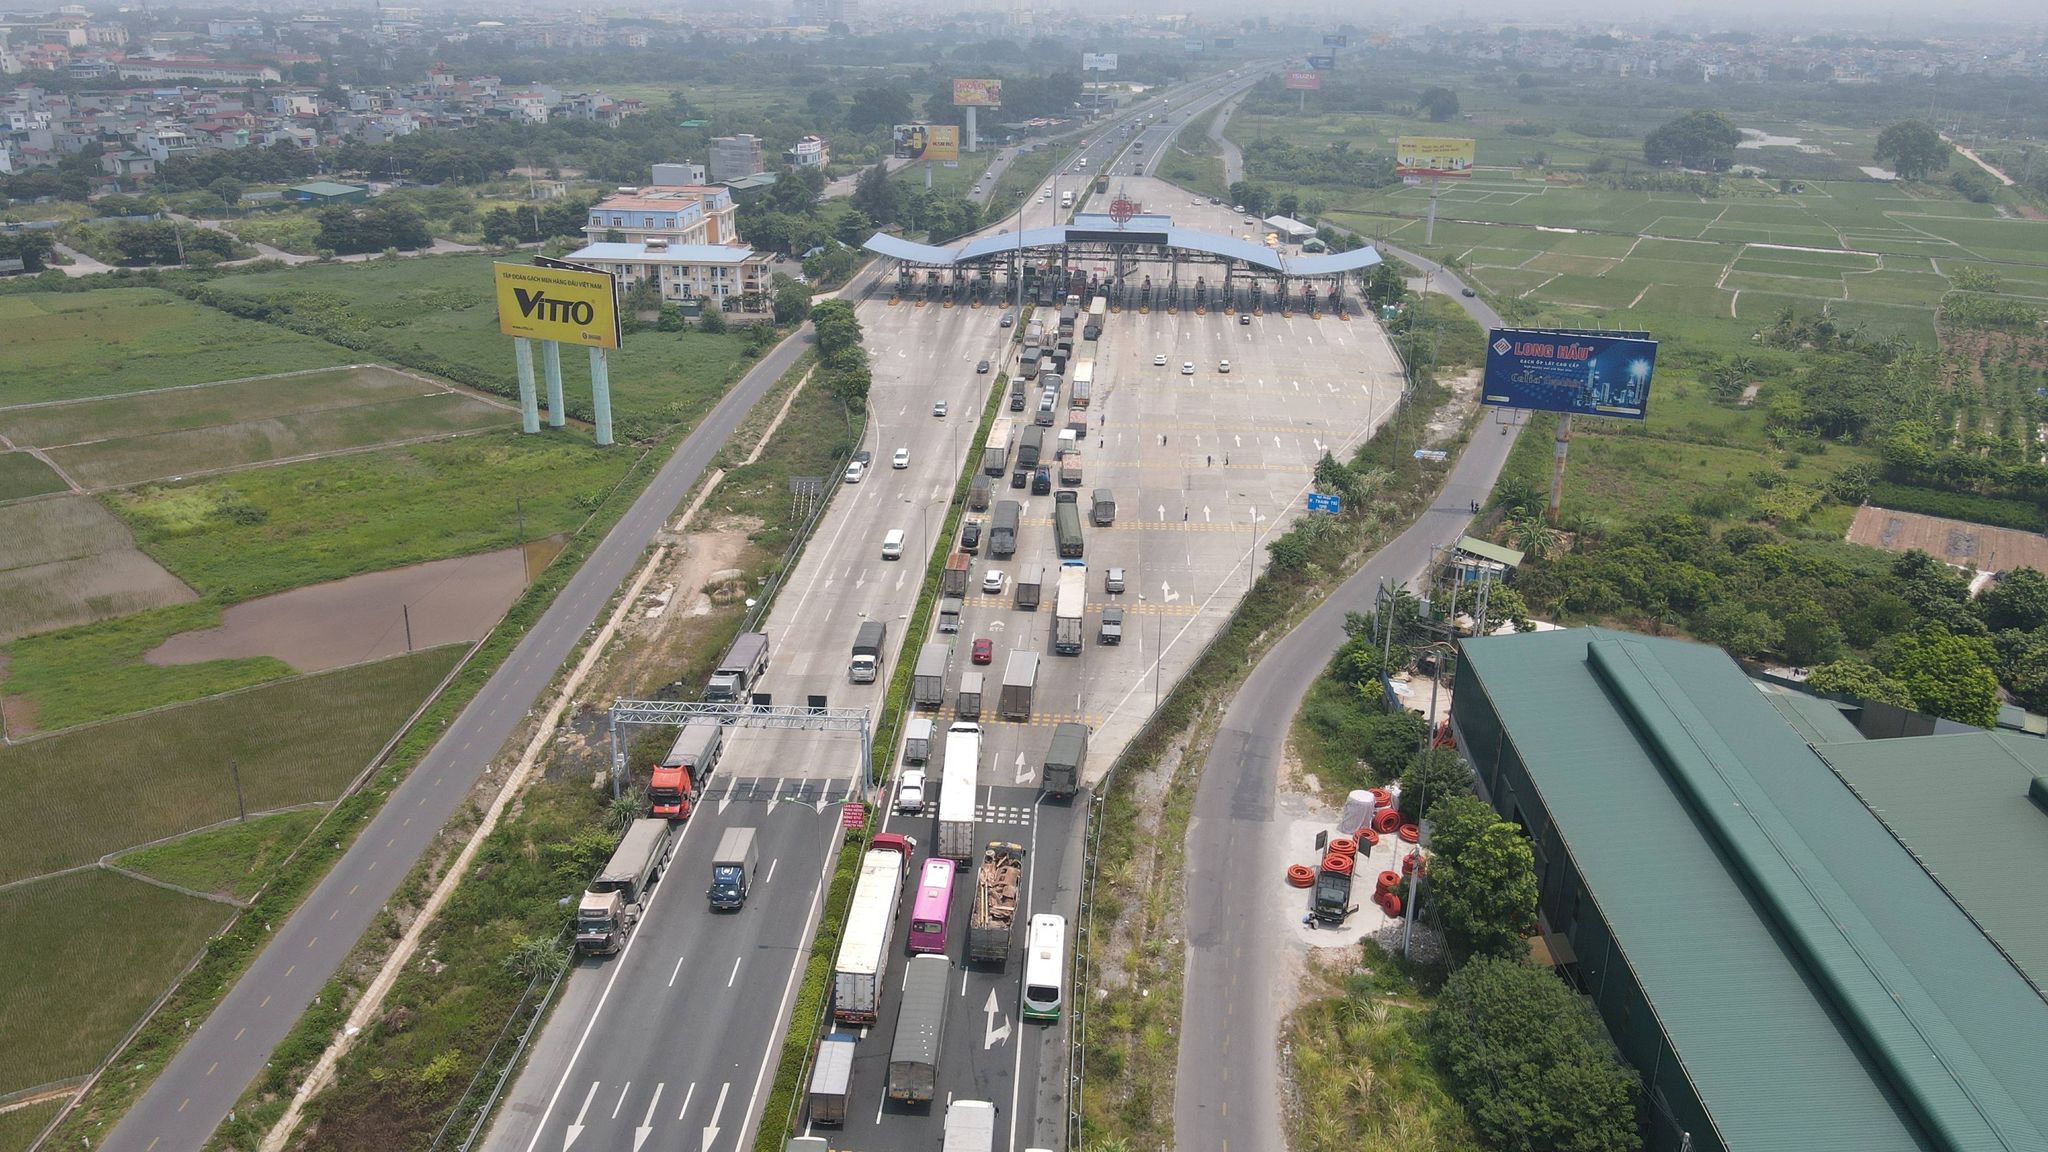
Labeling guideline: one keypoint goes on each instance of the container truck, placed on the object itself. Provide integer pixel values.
(740, 669)
(866, 665)
(920, 1024)
(917, 741)
(1068, 315)
(1105, 507)
(959, 780)
(996, 456)
(978, 493)
(685, 770)
(953, 581)
(970, 1127)
(863, 961)
(1098, 315)
(1070, 471)
(1020, 681)
(1030, 446)
(928, 678)
(996, 885)
(1030, 586)
(1069, 601)
(831, 1080)
(1063, 760)
(1081, 385)
(732, 869)
(1002, 533)
(1066, 525)
(610, 906)
(967, 705)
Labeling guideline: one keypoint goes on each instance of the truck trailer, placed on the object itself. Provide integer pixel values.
(928, 678)
(960, 779)
(740, 669)
(610, 906)
(1069, 602)
(685, 770)
(864, 950)
(866, 664)
(996, 886)
(831, 1080)
(970, 1127)
(920, 1024)
(996, 455)
(1020, 683)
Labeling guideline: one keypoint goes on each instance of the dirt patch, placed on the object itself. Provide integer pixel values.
(1957, 542)
(17, 713)
(675, 607)
(365, 617)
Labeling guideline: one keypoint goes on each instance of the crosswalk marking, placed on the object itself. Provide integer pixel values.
(1003, 814)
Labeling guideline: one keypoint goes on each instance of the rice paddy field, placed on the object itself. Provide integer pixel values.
(22, 476)
(67, 560)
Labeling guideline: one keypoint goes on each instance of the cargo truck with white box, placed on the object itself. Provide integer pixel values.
(960, 781)
(863, 961)
(928, 677)
(1069, 602)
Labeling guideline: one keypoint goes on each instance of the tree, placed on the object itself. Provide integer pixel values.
(874, 195)
(822, 103)
(792, 303)
(1531, 1062)
(2018, 601)
(878, 107)
(1810, 635)
(228, 189)
(838, 328)
(1436, 774)
(1384, 286)
(1334, 479)
(1702, 138)
(1535, 538)
(1438, 104)
(1947, 675)
(1858, 681)
(1254, 197)
(849, 377)
(712, 317)
(1913, 149)
(1288, 204)
(1482, 878)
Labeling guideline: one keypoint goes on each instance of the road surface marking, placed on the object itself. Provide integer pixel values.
(391, 842)
(333, 914)
(1225, 1105)
(711, 1129)
(265, 1004)
(152, 1143)
(288, 972)
(687, 1093)
(575, 1129)
(622, 1099)
(646, 1127)
(992, 1034)
(352, 888)
(735, 972)
(181, 1107)
(771, 870)
(678, 971)
(216, 1064)
(372, 867)
(238, 1035)
(313, 941)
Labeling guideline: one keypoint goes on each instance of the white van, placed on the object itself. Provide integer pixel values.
(892, 545)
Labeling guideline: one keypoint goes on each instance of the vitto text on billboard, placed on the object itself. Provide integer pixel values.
(557, 304)
(1563, 370)
(1098, 61)
(1303, 81)
(928, 141)
(1433, 156)
(978, 93)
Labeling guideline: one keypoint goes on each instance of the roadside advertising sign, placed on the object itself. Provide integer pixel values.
(1302, 81)
(1433, 156)
(559, 304)
(1098, 61)
(1568, 370)
(1324, 62)
(978, 93)
(928, 141)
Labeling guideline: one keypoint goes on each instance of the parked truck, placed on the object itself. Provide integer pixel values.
(740, 669)
(1063, 760)
(920, 1024)
(864, 951)
(967, 705)
(1066, 526)
(970, 1127)
(866, 664)
(1104, 508)
(996, 886)
(685, 770)
(928, 678)
(953, 581)
(1330, 900)
(1069, 601)
(996, 455)
(1020, 682)
(1030, 446)
(831, 1081)
(1030, 586)
(732, 869)
(610, 906)
(1002, 532)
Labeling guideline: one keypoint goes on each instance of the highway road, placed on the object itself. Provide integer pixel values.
(1233, 995)
(224, 1053)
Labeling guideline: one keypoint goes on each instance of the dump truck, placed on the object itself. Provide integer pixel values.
(967, 705)
(1070, 470)
(996, 886)
(740, 669)
(1066, 526)
(685, 769)
(996, 455)
(1030, 586)
(1002, 532)
(970, 1127)
(1030, 446)
(953, 581)
(866, 664)
(920, 1024)
(1064, 758)
(928, 678)
(610, 906)
(1104, 506)
(831, 1080)
(1069, 602)
(732, 869)
(864, 950)
(1020, 682)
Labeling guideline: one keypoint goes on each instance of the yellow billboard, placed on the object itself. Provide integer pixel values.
(557, 304)
(978, 93)
(928, 141)
(1433, 156)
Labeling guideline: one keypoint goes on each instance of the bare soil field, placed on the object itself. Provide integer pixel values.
(67, 560)
(344, 622)
(1955, 541)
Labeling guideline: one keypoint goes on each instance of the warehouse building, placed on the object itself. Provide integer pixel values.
(1801, 938)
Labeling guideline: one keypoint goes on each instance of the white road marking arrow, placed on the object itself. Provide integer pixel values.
(725, 798)
(576, 1129)
(646, 1127)
(1205, 514)
(1276, 442)
(711, 1129)
(1023, 776)
(1238, 440)
(1162, 511)
(1166, 593)
(994, 1035)
(995, 625)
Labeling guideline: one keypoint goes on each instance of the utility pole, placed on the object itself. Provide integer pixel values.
(235, 770)
(407, 610)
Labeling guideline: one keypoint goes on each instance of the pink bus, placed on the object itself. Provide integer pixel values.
(928, 910)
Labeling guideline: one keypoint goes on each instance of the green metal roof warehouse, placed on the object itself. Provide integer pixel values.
(1766, 950)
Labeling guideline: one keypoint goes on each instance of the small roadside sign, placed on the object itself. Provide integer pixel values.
(1317, 502)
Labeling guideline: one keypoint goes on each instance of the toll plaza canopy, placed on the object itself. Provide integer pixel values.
(1144, 232)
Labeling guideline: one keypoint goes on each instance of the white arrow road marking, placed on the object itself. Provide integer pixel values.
(1318, 442)
(576, 1129)
(1166, 593)
(1023, 775)
(1205, 514)
(773, 799)
(899, 581)
(995, 625)
(646, 1127)
(1276, 442)
(711, 1129)
(725, 799)
(1238, 440)
(994, 1035)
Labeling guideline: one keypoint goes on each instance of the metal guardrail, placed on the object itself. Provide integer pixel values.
(482, 1115)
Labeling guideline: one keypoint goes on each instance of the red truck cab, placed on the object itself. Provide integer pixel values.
(687, 767)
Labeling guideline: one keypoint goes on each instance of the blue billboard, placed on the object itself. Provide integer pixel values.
(1571, 371)
(1323, 63)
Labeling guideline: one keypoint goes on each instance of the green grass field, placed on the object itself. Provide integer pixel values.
(268, 529)
(232, 860)
(66, 561)
(22, 475)
(95, 671)
(70, 345)
(21, 1125)
(437, 314)
(85, 954)
(75, 796)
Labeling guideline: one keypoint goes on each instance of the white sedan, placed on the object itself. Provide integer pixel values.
(992, 582)
(1159, 361)
(1187, 367)
(902, 458)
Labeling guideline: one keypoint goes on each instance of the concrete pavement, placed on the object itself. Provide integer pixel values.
(195, 1090)
(1233, 996)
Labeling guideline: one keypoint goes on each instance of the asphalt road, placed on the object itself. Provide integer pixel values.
(1227, 1084)
(194, 1092)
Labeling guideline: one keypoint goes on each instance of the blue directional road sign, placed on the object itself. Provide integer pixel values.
(1317, 502)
